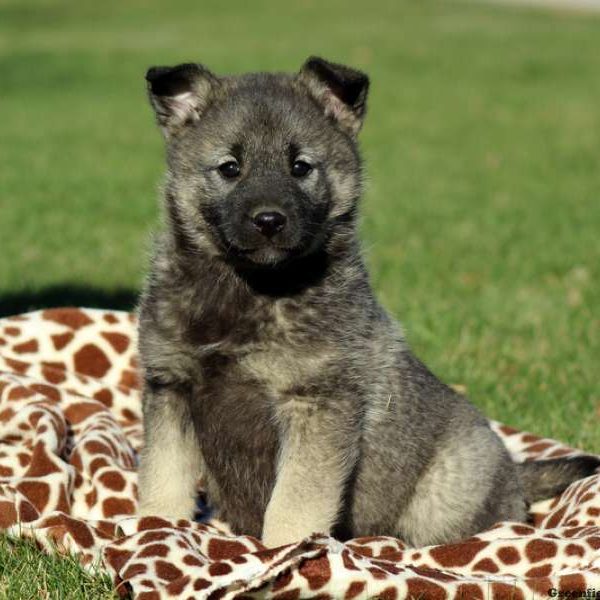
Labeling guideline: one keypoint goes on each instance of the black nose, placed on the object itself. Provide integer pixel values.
(269, 222)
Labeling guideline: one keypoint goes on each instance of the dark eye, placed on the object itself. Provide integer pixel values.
(229, 169)
(301, 168)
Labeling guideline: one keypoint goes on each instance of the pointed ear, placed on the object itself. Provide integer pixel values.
(179, 94)
(341, 91)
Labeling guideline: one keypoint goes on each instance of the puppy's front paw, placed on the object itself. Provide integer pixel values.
(274, 539)
(282, 534)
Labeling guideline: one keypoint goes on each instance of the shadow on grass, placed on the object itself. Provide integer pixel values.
(66, 295)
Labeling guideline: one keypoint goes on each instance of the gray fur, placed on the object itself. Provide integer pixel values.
(270, 357)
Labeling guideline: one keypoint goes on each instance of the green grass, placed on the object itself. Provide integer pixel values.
(27, 574)
(482, 210)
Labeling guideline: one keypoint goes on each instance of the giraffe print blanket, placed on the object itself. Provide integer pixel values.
(70, 430)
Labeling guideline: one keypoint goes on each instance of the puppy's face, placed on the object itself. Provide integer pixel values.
(262, 168)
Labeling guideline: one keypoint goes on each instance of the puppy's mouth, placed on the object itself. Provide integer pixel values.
(246, 248)
(266, 255)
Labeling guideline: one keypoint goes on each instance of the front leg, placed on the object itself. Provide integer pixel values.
(318, 452)
(170, 461)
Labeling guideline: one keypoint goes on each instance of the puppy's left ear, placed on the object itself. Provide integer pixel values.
(342, 91)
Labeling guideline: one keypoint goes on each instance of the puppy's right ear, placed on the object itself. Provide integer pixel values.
(179, 94)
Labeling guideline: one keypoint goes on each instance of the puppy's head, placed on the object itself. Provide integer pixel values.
(263, 168)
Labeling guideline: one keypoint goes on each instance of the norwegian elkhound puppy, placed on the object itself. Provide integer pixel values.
(270, 369)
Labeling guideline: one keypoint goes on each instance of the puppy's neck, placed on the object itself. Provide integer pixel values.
(290, 279)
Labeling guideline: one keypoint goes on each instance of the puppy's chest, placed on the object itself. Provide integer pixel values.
(272, 348)
(274, 371)
(244, 378)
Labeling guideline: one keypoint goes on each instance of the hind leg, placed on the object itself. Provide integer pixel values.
(470, 484)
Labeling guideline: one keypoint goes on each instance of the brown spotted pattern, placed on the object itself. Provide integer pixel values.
(70, 430)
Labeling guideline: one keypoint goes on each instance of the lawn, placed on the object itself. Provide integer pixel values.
(27, 574)
(482, 210)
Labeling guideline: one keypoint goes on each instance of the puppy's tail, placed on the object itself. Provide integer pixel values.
(544, 479)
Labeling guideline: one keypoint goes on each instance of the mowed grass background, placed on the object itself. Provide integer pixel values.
(481, 217)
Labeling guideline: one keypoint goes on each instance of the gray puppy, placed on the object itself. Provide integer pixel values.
(270, 369)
